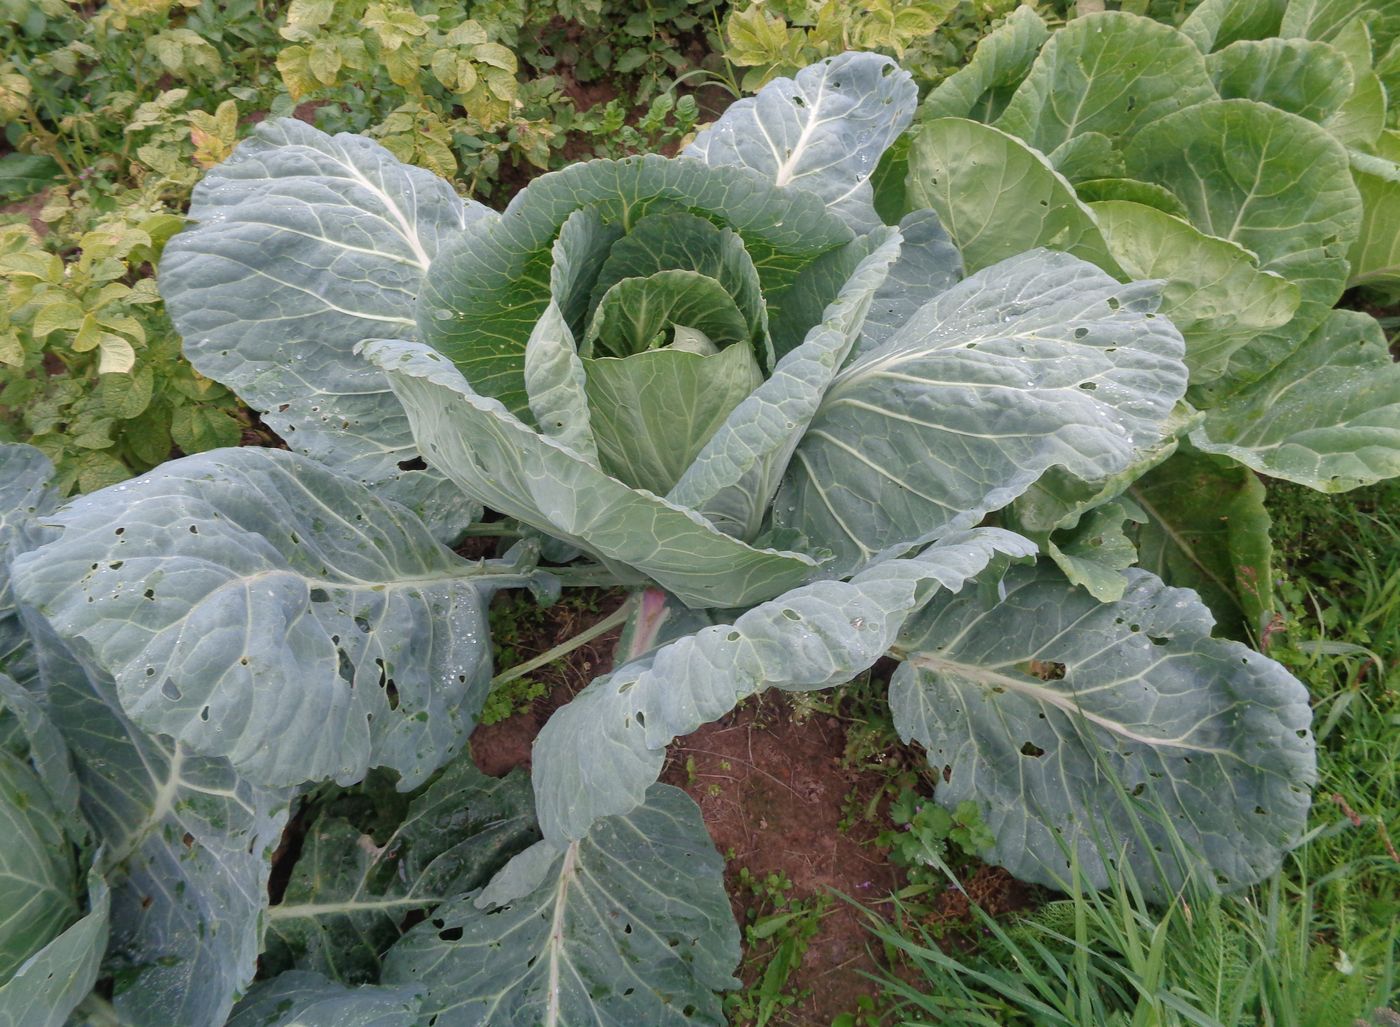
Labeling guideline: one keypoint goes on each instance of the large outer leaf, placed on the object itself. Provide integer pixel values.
(598, 755)
(630, 926)
(1300, 76)
(47, 988)
(26, 493)
(1273, 182)
(1327, 417)
(821, 132)
(46, 753)
(1327, 19)
(732, 480)
(300, 999)
(1130, 697)
(348, 896)
(488, 287)
(1040, 361)
(254, 605)
(186, 847)
(304, 245)
(928, 264)
(982, 87)
(502, 463)
(38, 887)
(1217, 23)
(1108, 73)
(1375, 257)
(1207, 529)
(992, 216)
(1213, 290)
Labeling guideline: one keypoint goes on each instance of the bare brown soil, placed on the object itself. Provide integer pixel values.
(772, 792)
(497, 748)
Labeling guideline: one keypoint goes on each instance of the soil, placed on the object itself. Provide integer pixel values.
(29, 208)
(497, 748)
(773, 792)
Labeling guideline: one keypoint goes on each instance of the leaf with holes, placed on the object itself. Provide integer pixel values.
(254, 605)
(348, 896)
(303, 245)
(627, 926)
(1055, 713)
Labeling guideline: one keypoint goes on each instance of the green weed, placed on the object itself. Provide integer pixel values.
(777, 930)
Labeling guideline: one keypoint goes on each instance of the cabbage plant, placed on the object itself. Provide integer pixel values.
(720, 380)
(1248, 160)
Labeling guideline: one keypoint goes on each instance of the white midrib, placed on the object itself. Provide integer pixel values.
(1049, 697)
(306, 910)
(406, 230)
(162, 804)
(785, 168)
(555, 944)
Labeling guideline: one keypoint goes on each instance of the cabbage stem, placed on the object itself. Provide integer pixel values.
(612, 620)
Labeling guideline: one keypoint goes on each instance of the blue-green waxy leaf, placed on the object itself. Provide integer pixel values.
(821, 132)
(186, 846)
(254, 605)
(1109, 73)
(1327, 417)
(1055, 713)
(1218, 23)
(1375, 256)
(928, 264)
(26, 493)
(1206, 529)
(1300, 76)
(732, 480)
(49, 986)
(488, 287)
(1274, 183)
(305, 244)
(1329, 19)
(981, 88)
(629, 926)
(993, 217)
(47, 753)
(38, 880)
(501, 462)
(301, 999)
(598, 755)
(1212, 288)
(349, 896)
(1038, 362)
